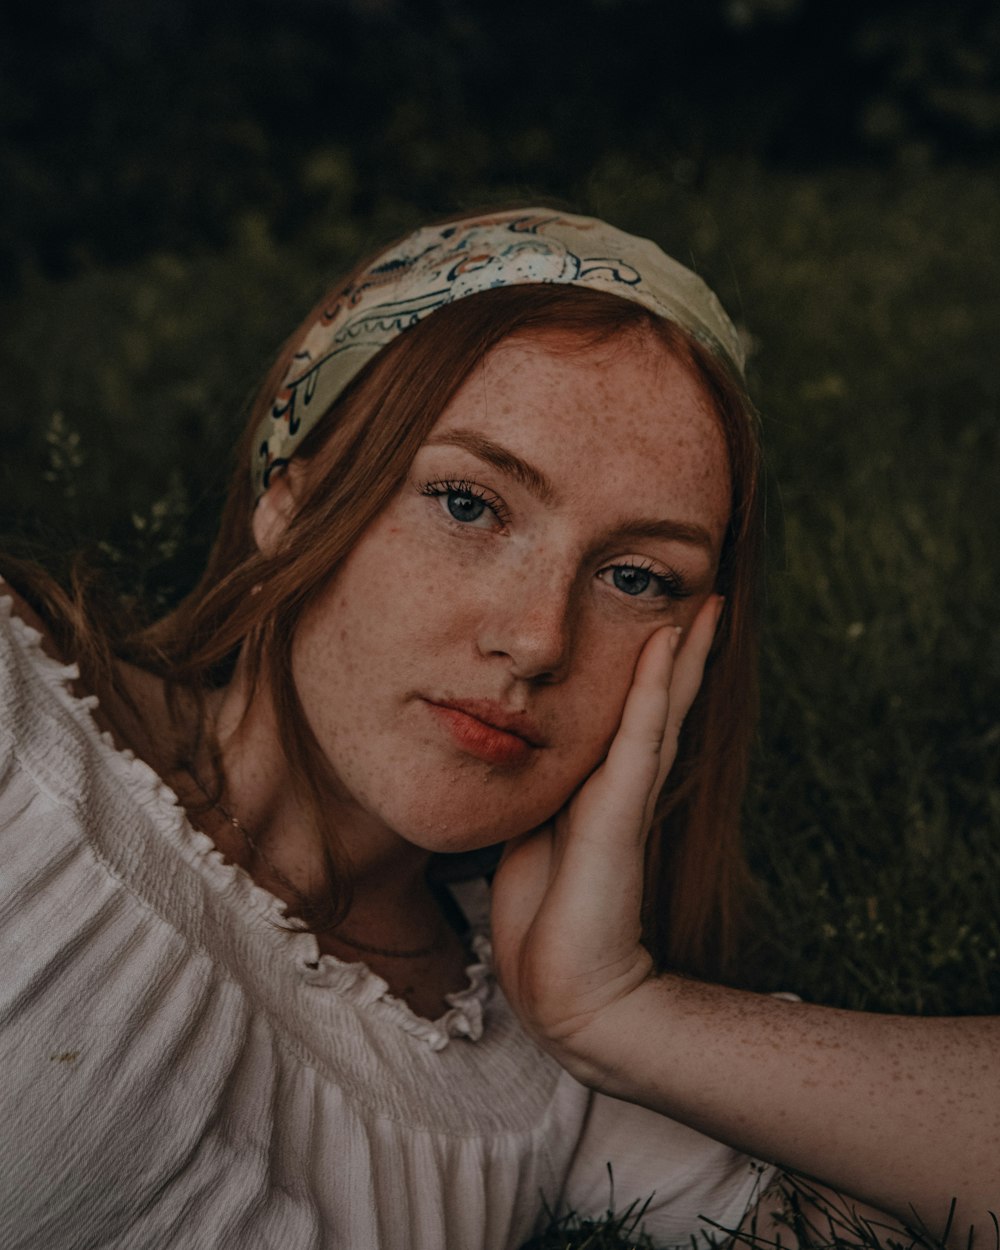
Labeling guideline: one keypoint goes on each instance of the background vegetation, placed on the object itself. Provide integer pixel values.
(180, 181)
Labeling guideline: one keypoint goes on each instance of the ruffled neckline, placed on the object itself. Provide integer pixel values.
(352, 980)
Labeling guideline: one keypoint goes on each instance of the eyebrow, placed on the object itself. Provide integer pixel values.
(541, 487)
(501, 458)
(671, 531)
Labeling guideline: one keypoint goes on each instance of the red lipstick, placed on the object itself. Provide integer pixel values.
(486, 730)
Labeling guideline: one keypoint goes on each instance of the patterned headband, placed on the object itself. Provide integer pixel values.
(437, 265)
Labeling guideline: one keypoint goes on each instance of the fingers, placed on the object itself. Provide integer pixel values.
(633, 762)
(597, 865)
(686, 677)
(574, 890)
(666, 681)
(690, 666)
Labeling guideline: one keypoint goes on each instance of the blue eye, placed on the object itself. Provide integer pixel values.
(464, 506)
(468, 503)
(639, 582)
(631, 580)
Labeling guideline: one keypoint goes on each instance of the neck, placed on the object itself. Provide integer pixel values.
(388, 874)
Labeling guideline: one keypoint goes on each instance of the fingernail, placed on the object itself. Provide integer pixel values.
(675, 637)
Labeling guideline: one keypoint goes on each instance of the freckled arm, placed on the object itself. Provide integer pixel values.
(899, 1112)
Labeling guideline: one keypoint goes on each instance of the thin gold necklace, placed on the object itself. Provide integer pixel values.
(387, 952)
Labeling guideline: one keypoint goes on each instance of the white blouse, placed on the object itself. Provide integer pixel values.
(179, 1069)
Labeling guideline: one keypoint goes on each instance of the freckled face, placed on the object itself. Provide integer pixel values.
(467, 668)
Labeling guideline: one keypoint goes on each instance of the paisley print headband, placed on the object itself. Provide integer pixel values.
(439, 264)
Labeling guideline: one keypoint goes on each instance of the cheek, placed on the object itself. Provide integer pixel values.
(602, 679)
(592, 703)
(415, 579)
(389, 592)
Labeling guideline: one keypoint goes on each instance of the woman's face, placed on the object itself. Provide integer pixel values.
(468, 666)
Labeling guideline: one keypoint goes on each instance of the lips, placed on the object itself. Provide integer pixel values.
(487, 730)
(497, 717)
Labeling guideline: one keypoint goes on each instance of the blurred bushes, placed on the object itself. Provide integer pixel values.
(133, 128)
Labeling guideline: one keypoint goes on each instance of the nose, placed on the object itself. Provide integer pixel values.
(529, 621)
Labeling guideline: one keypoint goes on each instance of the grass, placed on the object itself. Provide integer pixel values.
(816, 1223)
(806, 1220)
(615, 1230)
(871, 302)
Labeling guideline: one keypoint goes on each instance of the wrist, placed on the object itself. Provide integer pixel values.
(596, 1047)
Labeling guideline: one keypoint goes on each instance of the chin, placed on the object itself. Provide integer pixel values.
(455, 833)
(454, 823)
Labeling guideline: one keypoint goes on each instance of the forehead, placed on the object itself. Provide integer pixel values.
(624, 423)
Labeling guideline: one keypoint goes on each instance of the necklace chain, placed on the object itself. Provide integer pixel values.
(253, 846)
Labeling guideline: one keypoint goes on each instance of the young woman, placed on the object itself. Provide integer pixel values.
(486, 575)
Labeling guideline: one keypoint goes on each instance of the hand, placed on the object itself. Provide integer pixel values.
(567, 897)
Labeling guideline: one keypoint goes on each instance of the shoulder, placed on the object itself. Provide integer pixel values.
(39, 680)
(44, 752)
(31, 663)
(13, 604)
(123, 700)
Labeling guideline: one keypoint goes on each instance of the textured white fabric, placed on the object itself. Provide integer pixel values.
(178, 1070)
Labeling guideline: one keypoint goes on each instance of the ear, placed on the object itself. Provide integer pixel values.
(274, 510)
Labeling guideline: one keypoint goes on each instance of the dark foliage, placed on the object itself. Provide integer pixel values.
(129, 128)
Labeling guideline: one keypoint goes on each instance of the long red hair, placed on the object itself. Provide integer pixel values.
(360, 453)
(248, 604)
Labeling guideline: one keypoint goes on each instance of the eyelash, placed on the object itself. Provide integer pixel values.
(461, 486)
(671, 583)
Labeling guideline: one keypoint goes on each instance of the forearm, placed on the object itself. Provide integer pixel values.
(898, 1112)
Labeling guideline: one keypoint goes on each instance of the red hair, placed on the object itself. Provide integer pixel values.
(360, 452)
